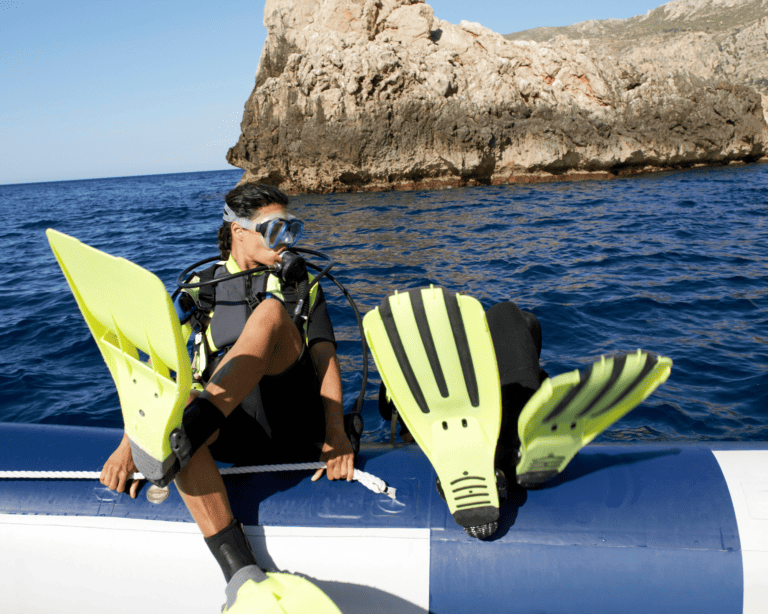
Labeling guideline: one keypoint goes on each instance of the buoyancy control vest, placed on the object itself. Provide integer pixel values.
(222, 311)
(198, 305)
(224, 308)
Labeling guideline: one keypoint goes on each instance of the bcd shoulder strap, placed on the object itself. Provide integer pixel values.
(255, 290)
(206, 297)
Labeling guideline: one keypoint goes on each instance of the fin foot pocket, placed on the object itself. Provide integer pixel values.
(535, 479)
(570, 410)
(502, 486)
(279, 593)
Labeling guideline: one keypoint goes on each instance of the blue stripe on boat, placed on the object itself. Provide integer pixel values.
(640, 527)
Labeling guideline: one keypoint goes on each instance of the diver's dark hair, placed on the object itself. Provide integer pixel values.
(245, 200)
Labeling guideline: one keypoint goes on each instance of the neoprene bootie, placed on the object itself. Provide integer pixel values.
(251, 591)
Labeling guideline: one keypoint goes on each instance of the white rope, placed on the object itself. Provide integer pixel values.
(370, 481)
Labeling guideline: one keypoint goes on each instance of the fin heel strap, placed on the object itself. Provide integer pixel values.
(201, 420)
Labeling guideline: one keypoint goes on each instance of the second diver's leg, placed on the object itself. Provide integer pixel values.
(516, 338)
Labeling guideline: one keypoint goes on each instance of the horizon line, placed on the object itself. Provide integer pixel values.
(18, 183)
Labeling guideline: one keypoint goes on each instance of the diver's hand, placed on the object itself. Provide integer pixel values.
(119, 469)
(338, 457)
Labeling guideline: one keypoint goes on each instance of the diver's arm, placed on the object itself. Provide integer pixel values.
(120, 468)
(337, 451)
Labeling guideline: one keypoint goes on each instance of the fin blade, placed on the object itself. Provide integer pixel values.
(130, 313)
(570, 410)
(447, 357)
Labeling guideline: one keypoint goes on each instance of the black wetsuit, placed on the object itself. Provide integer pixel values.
(292, 407)
(516, 338)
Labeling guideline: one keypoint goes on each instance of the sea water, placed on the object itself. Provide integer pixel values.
(674, 263)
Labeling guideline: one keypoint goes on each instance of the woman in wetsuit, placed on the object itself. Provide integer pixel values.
(274, 391)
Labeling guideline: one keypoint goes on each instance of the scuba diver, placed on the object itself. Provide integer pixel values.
(269, 385)
(467, 383)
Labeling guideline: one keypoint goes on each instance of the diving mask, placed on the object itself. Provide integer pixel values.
(283, 230)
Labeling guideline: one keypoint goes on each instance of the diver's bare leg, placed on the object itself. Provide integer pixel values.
(202, 488)
(268, 345)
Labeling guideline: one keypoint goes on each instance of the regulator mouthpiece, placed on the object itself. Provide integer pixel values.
(292, 269)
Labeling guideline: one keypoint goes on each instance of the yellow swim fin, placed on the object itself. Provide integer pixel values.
(134, 323)
(280, 593)
(435, 355)
(570, 410)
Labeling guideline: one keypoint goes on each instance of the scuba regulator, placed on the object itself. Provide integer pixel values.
(293, 270)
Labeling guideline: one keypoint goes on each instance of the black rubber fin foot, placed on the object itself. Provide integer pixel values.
(487, 529)
(480, 522)
(533, 480)
(483, 531)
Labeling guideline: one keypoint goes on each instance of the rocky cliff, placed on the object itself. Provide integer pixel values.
(380, 94)
(712, 39)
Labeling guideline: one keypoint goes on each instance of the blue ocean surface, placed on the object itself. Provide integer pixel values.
(675, 263)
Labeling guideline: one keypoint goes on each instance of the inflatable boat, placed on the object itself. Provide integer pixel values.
(680, 527)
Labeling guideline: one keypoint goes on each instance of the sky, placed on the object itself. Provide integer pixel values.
(109, 88)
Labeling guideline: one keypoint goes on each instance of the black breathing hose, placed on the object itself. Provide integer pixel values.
(360, 397)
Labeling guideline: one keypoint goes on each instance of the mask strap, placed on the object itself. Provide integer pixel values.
(231, 216)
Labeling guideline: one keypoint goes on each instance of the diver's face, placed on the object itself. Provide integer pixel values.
(249, 248)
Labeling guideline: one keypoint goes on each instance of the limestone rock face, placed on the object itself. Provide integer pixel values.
(381, 94)
(712, 39)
